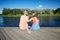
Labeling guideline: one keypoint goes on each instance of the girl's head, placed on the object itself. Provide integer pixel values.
(35, 14)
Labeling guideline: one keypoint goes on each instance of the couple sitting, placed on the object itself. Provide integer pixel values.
(25, 19)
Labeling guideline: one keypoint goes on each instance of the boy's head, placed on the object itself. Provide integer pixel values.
(25, 12)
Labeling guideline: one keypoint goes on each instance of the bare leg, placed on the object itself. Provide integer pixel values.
(29, 31)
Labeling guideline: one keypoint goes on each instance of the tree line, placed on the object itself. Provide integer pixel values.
(8, 11)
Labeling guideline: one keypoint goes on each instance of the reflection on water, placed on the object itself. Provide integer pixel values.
(57, 18)
(50, 21)
(45, 18)
(45, 21)
(1, 21)
(11, 21)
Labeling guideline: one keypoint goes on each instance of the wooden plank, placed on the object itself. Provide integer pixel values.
(14, 33)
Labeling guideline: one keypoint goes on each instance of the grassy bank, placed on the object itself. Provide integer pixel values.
(31, 15)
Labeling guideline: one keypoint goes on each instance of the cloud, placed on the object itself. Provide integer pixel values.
(40, 6)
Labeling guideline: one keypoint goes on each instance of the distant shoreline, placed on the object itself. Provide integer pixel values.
(30, 15)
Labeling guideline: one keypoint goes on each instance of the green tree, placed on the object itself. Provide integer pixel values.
(57, 11)
(4, 12)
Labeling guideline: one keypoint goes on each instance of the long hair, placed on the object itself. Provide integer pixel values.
(36, 15)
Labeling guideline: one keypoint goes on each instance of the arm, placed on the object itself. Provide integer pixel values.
(30, 20)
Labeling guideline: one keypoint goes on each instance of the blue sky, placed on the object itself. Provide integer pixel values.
(31, 4)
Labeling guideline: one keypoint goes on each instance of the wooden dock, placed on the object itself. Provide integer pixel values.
(14, 33)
